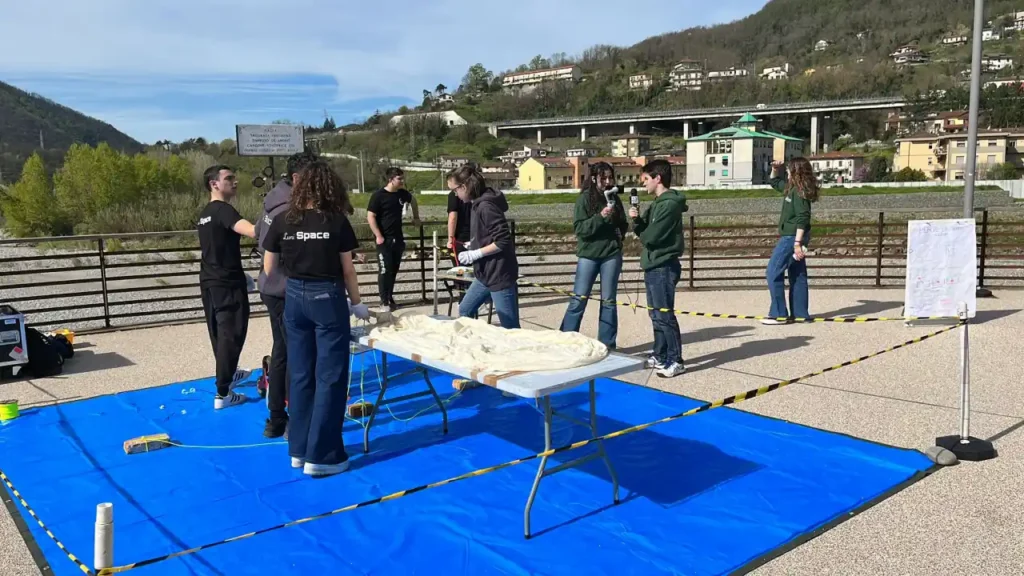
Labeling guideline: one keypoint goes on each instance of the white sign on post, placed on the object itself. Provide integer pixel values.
(942, 267)
(269, 139)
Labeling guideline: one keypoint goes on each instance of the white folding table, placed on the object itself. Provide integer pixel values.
(534, 385)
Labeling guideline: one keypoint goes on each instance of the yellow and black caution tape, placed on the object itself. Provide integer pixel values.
(32, 513)
(748, 395)
(635, 306)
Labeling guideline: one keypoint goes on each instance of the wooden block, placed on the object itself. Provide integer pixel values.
(461, 384)
(360, 409)
(147, 443)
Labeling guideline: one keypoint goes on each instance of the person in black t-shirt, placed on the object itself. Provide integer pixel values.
(312, 244)
(223, 283)
(458, 220)
(384, 214)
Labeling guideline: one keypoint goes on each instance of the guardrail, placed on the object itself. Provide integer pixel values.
(115, 281)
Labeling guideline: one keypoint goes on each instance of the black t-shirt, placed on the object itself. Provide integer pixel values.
(309, 250)
(222, 258)
(463, 211)
(388, 208)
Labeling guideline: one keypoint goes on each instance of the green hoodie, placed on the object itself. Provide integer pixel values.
(596, 237)
(660, 229)
(796, 211)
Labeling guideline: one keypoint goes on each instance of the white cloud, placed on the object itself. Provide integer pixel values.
(372, 49)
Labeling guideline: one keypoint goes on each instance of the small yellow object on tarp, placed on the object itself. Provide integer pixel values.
(8, 410)
(147, 443)
(462, 384)
(67, 334)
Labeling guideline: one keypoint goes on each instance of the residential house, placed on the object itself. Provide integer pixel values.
(821, 45)
(996, 62)
(574, 152)
(451, 162)
(505, 180)
(730, 74)
(449, 117)
(549, 173)
(942, 157)
(640, 81)
(902, 123)
(741, 154)
(908, 55)
(1018, 82)
(686, 75)
(1018, 22)
(497, 167)
(517, 157)
(632, 145)
(989, 35)
(777, 72)
(954, 40)
(837, 166)
(533, 78)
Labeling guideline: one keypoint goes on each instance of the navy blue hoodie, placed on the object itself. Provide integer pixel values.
(275, 203)
(487, 224)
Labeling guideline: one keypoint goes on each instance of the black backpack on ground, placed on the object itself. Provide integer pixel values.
(45, 355)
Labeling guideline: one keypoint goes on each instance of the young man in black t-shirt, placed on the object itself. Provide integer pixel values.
(384, 214)
(223, 282)
(458, 222)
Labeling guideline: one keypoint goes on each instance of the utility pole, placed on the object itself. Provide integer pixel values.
(41, 145)
(362, 181)
(972, 115)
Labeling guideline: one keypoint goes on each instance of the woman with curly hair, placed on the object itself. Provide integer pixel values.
(312, 242)
(799, 187)
(600, 225)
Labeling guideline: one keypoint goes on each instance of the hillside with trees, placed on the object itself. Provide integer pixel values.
(30, 124)
(861, 37)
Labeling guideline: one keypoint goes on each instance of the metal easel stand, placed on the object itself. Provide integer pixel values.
(434, 250)
(965, 446)
(542, 469)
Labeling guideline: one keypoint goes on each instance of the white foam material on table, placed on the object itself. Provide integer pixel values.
(536, 384)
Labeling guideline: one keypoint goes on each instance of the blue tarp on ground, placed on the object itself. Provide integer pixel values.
(702, 495)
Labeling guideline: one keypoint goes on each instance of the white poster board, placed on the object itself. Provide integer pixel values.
(269, 139)
(942, 267)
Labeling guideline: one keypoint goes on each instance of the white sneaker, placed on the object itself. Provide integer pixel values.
(297, 462)
(672, 370)
(232, 399)
(239, 377)
(773, 322)
(320, 470)
(652, 362)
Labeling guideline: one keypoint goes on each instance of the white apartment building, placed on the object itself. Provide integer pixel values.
(580, 152)
(821, 45)
(954, 40)
(687, 75)
(730, 74)
(994, 63)
(989, 35)
(449, 117)
(640, 81)
(571, 72)
(836, 166)
(777, 72)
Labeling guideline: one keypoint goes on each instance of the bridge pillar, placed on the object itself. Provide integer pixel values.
(826, 137)
(686, 129)
(492, 129)
(540, 136)
(632, 128)
(583, 133)
(814, 134)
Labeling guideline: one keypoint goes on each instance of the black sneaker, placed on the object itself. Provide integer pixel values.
(275, 428)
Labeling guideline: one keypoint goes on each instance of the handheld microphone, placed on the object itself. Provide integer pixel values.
(634, 199)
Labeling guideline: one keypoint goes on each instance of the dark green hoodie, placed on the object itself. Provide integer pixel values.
(796, 211)
(660, 229)
(598, 238)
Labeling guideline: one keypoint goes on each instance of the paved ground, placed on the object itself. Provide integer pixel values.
(967, 519)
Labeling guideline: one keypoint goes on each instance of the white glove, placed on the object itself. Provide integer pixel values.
(250, 284)
(361, 311)
(468, 257)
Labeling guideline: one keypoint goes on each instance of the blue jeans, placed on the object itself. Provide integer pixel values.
(586, 272)
(661, 293)
(781, 263)
(316, 318)
(506, 303)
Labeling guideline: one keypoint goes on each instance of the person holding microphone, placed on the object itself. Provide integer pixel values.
(600, 225)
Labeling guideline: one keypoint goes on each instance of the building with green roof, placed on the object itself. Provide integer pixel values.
(740, 154)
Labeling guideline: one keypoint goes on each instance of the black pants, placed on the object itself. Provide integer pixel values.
(389, 259)
(227, 318)
(278, 376)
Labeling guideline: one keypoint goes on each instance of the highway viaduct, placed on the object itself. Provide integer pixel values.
(683, 120)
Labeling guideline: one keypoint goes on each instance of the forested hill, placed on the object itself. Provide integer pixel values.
(23, 116)
(861, 37)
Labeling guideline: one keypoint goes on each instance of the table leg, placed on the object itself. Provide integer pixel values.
(540, 467)
(376, 405)
(440, 404)
(600, 444)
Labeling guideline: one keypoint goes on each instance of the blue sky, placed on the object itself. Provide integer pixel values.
(175, 69)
